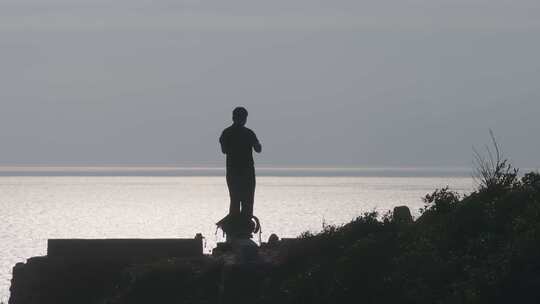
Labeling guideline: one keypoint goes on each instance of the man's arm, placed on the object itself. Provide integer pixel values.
(256, 144)
(222, 143)
(257, 147)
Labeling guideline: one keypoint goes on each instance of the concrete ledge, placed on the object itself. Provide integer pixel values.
(85, 249)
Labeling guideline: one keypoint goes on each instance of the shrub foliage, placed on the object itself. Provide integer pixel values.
(480, 248)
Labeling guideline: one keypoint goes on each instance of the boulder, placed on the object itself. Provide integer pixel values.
(402, 215)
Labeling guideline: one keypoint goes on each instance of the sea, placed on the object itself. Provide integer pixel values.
(39, 203)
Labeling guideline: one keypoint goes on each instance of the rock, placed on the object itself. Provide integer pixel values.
(82, 271)
(402, 215)
(242, 275)
(221, 248)
(273, 240)
(245, 250)
(241, 283)
(124, 249)
(46, 280)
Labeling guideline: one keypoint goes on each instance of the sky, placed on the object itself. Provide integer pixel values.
(327, 83)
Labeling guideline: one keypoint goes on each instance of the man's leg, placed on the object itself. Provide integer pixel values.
(248, 193)
(232, 183)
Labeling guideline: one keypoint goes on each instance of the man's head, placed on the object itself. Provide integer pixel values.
(239, 116)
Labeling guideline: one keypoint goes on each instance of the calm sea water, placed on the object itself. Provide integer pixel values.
(36, 208)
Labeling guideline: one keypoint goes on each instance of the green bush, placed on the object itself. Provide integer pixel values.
(480, 248)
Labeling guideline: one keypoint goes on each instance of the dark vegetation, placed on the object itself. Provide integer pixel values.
(480, 248)
(483, 247)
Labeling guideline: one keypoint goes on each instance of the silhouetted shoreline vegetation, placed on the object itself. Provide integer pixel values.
(483, 247)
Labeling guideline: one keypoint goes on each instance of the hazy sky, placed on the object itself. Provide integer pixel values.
(340, 82)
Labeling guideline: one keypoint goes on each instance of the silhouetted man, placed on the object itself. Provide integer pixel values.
(238, 142)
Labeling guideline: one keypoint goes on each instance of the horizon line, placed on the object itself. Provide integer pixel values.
(29, 167)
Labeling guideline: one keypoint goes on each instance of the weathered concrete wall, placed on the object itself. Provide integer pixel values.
(44, 280)
(84, 249)
(84, 271)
